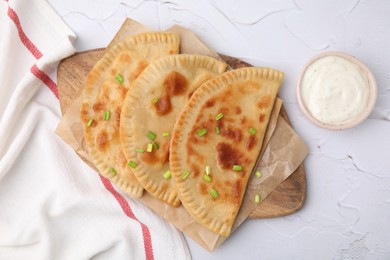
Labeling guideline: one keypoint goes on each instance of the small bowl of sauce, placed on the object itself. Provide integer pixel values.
(336, 91)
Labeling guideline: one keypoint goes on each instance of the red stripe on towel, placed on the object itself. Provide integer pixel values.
(40, 74)
(23, 37)
(129, 212)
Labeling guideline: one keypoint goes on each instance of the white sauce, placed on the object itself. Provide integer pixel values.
(335, 90)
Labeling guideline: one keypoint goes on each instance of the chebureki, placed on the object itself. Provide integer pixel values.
(106, 87)
(177, 125)
(216, 142)
(149, 113)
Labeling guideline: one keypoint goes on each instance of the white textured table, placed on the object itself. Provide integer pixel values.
(347, 211)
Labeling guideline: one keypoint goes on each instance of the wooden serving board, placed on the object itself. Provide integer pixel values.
(286, 199)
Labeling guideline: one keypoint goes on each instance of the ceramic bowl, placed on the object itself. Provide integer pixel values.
(354, 121)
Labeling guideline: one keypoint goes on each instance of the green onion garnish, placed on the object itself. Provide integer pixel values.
(167, 175)
(155, 100)
(217, 130)
(202, 132)
(208, 170)
(207, 178)
(139, 150)
(149, 148)
(258, 174)
(185, 175)
(113, 171)
(155, 145)
(132, 164)
(219, 116)
(214, 193)
(257, 198)
(106, 115)
(119, 78)
(165, 134)
(90, 122)
(237, 168)
(151, 135)
(252, 131)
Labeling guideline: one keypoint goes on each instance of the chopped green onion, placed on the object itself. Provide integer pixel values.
(202, 132)
(90, 122)
(149, 148)
(217, 130)
(155, 100)
(208, 170)
(257, 198)
(237, 168)
(207, 178)
(219, 116)
(132, 164)
(151, 135)
(167, 175)
(119, 78)
(258, 174)
(113, 171)
(214, 193)
(165, 134)
(139, 150)
(252, 131)
(185, 175)
(155, 145)
(106, 115)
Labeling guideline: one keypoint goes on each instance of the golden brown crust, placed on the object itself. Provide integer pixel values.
(245, 97)
(169, 81)
(104, 92)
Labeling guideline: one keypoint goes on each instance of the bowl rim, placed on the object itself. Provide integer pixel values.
(371, 83)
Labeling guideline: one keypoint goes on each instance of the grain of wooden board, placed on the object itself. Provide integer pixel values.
(286, 199)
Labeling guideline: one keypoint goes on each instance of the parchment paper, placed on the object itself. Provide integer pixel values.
(283, 150)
